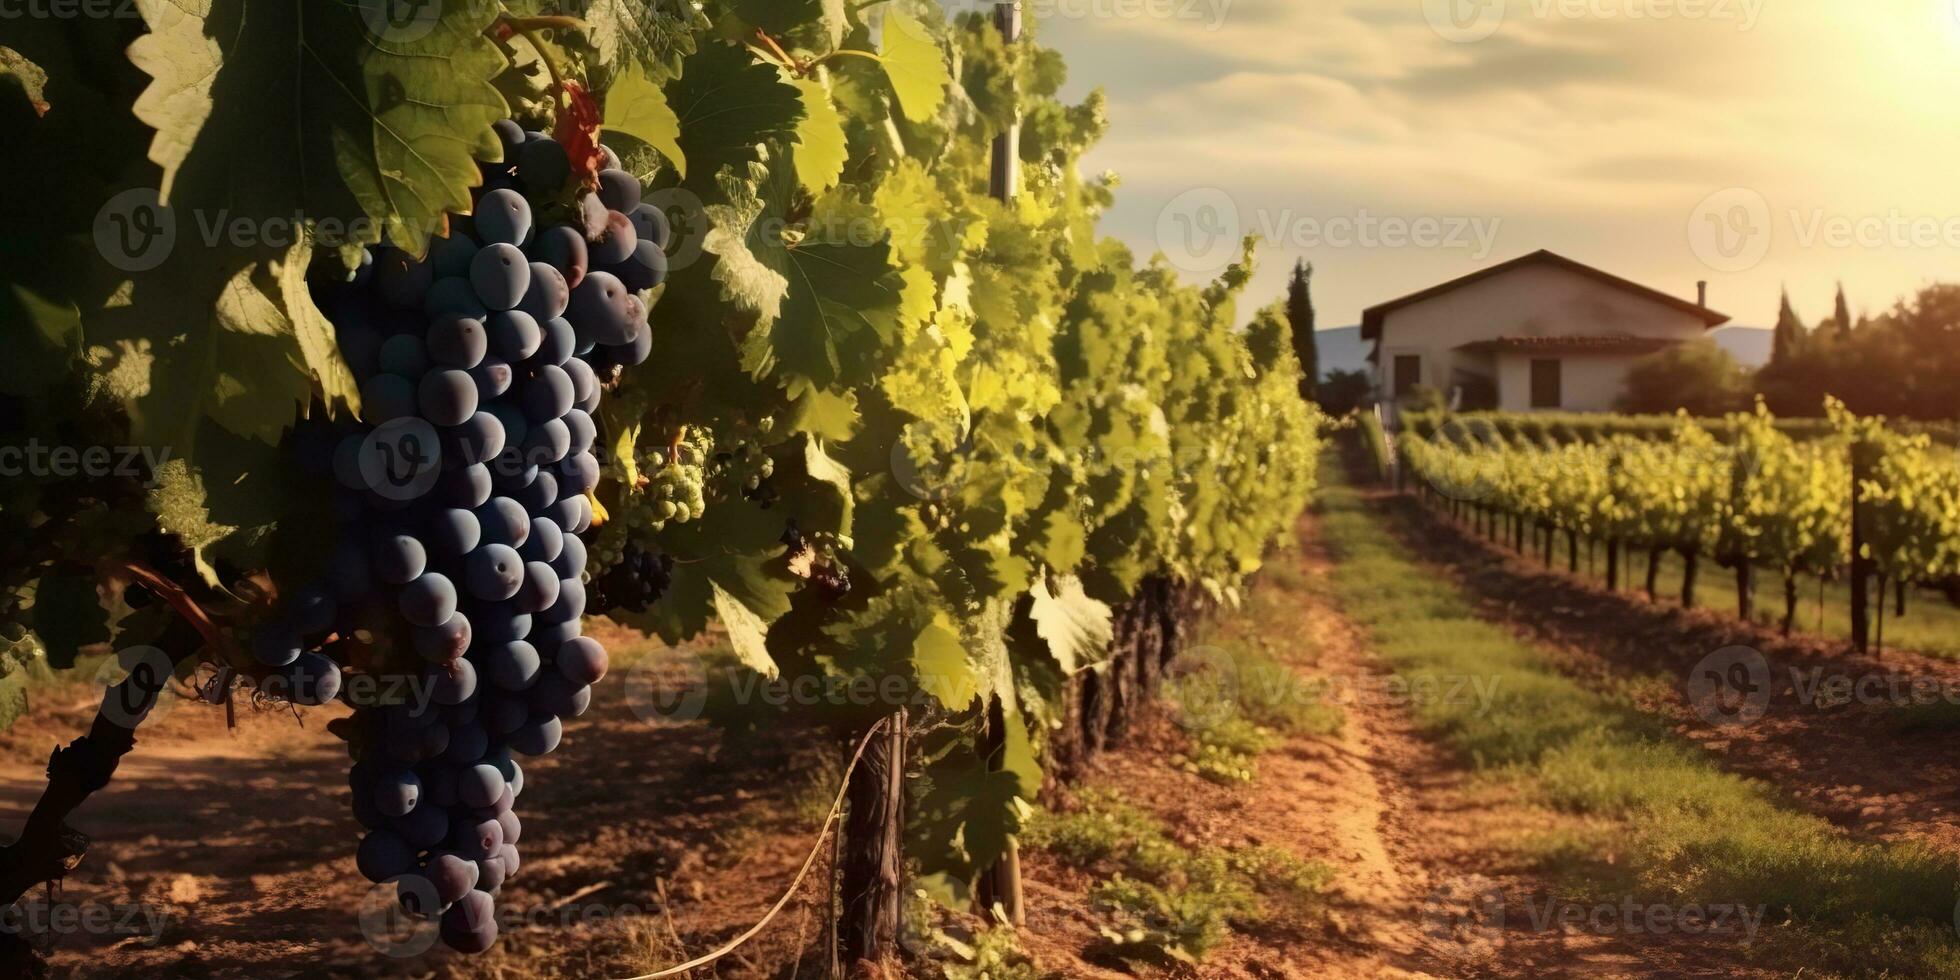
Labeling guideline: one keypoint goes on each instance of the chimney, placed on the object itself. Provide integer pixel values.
(1701, 294)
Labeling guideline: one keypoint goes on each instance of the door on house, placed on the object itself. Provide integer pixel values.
(1547, 383)
(1408, 373)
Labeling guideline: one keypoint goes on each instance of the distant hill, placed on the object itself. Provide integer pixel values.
(1342, 349)
(1748, 345)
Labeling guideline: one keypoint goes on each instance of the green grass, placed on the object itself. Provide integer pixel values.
(1161, 900)
(1685, 829)
(1238, 694)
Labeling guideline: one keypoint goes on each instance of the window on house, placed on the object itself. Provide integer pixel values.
(1547, 384)
(1408, 373)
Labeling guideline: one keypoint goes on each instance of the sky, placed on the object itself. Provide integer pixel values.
(1397, 144)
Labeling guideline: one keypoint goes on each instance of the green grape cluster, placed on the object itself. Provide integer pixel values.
(608, 544)
(741, 469)
(676, 490)
(19, 646)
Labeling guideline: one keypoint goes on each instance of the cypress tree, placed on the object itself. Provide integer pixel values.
(1843, 313)
(1789, 332)
(1299, 314)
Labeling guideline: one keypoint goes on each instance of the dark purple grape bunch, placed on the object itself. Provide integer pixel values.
(637, 582)
(464, 498)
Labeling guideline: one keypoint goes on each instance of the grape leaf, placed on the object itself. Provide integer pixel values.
(13, 697)
(736, 233)
(319, 349)
(841, 307)
(816, 26)
(747, 632)
(969, 809)
(916, 66)
(178, 500)
(821, 150)
(1076, 627)
(729, 105)
(42, 354)
(68, 615)
(637, 107)
(383, 125)
(939, 661)
(820, 495)
(207, 335)
(826, 415)
(829, 301)
(654, 35)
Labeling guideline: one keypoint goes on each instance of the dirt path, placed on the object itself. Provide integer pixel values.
(645, 845)
(1835, 750)
(1429, 879)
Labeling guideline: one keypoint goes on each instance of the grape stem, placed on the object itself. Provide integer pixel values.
(173, 594)
(783, 57)
(849, 52)
(527, 28)
(801, 68)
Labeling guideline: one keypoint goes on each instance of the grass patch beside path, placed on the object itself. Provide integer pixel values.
(1161, 899)
(1689, 831)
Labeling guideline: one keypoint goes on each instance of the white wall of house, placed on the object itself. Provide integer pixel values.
(1588, 382)
(1532, 300)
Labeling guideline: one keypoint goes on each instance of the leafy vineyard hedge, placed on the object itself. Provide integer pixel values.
(890, 429)
(1762, 497)
(1565, 427)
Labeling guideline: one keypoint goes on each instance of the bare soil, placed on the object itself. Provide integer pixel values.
(645, 845)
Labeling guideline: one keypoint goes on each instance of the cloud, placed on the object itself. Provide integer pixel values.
(1581, 128)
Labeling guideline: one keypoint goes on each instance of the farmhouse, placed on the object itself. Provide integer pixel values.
(1540, 332)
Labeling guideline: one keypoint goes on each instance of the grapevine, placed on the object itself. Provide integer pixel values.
(697, 316)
